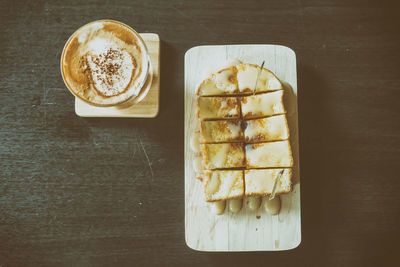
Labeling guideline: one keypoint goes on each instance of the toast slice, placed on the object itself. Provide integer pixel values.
(247, 79)
(223, 185)
(218, 108)
(221, 156)
(221, 131)
(273, 128)
(261, 182)
(262, 105)
(224, 82)
(269, 155)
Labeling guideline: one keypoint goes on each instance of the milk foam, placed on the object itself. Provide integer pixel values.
(110, 67)
(85, 34)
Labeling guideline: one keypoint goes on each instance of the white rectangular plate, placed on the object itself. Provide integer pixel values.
(243, 231)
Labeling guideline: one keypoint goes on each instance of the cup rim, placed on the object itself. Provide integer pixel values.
(142, 83)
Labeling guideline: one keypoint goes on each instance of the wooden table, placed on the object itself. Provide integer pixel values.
(109, 192)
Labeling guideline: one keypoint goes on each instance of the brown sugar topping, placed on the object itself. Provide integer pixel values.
(232, 78)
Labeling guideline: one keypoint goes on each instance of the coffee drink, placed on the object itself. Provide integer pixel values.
(105, 63)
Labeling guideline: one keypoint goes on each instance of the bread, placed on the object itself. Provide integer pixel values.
(247, 77)
(267, 129)
(221, 131)
(218, 108)
(222, 185)
(244, 132)
(269, 155)
(221, 156)
(262, 105)
(261, 182)
(223, 82)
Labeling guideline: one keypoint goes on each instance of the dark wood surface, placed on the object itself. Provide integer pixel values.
(110, 192)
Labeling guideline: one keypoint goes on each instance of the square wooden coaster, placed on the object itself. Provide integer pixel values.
(148, 107)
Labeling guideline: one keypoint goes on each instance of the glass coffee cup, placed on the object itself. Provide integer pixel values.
(106, 63)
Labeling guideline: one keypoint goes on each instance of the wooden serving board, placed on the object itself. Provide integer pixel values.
(148, 105)
(246, 230)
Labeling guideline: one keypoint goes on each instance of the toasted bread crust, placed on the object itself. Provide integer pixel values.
(222, 83)
(267, 194)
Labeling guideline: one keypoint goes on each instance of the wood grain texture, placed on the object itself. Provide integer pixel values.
(246, 230)
(145, 105)
(71, 187)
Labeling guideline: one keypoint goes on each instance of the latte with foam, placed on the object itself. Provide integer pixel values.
(105, 63)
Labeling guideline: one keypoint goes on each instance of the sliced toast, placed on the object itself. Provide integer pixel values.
(223, 185)
(273, 128)
(269, 155)
(247, 79)
(262, 105)
(218, 108)
(261, 182)
(221, 131)
(224, 82)
(222, 156)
